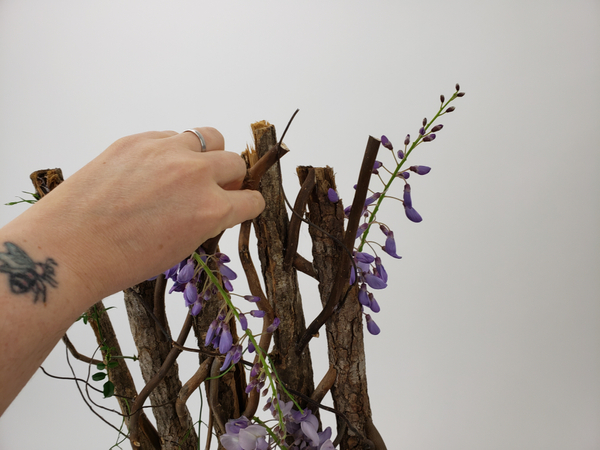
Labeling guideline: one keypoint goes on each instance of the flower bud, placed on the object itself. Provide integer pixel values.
(412, 215)
(363, 295)
(457, 87)
(227, 361)
(364, 257)
(190, 294)
(460, 94)
(332, 196)
(374, 305)
(223, 258)
(442, 98)
(227, 272)
(226, 340)
(361, 229)
(422, 131)
(407, 139)
(401, 154)
(372, 326)
(196, 308)
(449, 110)
(187, 272)
(372, 198)
(257, 313)
(421, 170)
(407, 199)
(390, 249)
(274, 325)
(376, 166)
(437, 128)
(252, 298)
(374, 281)
(385, 229)
(243, 322)
(381, 272)
(210, 333)
(386, 143)
(430, 137)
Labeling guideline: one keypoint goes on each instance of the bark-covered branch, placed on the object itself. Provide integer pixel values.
(344, 328)
(271, 229)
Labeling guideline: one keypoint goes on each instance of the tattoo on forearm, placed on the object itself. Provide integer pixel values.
(26, 276)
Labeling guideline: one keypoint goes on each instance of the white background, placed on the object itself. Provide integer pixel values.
(491, 324)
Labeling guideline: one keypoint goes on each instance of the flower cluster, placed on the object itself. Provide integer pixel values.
(300, 431)
(368, 270)
(186, 277)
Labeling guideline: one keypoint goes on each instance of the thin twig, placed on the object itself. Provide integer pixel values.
(85, 401)
(296, 219)
(189, 387)
(77, 355)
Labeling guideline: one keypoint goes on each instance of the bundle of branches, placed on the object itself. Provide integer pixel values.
(233, 383)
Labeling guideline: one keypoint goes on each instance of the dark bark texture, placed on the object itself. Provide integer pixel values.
(153, 347)
(345, 327)
(120, 375)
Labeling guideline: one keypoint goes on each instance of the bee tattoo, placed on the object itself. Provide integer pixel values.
(26, 276)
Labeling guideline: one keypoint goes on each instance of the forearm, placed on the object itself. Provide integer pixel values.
(140, 207)
(40, 297)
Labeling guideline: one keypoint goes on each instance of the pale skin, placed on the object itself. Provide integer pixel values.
(140, 207)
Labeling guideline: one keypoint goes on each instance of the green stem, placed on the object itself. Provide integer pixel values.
(259, 351)
(398, 167)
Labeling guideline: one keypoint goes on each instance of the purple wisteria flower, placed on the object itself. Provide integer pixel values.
(390, 243)
(274, 325)
(411, 213)
(376, 166)
(232, 357)
(243, 322)
(373, 304)
(386, 143)
(372, 326)
(240, 434)
(226, 340)
(421, 170)
(332, 196)
(302, 427)
(374, 281)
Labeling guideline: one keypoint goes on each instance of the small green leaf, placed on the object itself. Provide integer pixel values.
(112, 364)
(101, 366)
(109, 389)
(98, 376)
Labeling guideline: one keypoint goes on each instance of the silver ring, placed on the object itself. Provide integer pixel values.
(200, 137)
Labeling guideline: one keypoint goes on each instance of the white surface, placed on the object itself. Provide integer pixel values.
(490, 328)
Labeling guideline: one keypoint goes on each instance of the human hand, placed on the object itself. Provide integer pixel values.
(142, 205)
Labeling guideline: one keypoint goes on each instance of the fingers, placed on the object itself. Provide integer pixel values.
(246, 205)
(228, 169)
(212, 137)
